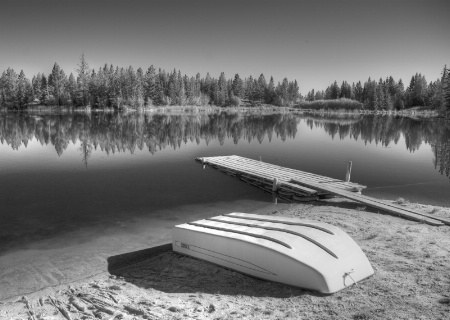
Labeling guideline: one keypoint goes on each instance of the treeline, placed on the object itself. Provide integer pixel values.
(389, 94)
(114, 87)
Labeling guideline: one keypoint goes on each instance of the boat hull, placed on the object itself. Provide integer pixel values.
(306, 254)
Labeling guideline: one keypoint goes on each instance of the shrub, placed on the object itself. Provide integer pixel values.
(235, 101)
(334, 105)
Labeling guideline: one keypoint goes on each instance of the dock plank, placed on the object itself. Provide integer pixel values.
(281, 173)
(251, 171)
(288, 173)
(297, 172)
(309, 184)
(378, 204)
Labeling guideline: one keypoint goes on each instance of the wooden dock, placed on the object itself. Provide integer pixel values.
(297, 186)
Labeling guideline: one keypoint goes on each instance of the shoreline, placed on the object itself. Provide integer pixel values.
(414, 112)
(411, 262)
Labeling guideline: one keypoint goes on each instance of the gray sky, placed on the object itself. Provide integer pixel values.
(315, 42)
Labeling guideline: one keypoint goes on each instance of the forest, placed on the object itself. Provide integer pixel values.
(114, 87)
(388, 94)
(124, 88)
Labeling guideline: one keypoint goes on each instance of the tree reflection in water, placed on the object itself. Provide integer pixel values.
(385, 130)
(113, 133)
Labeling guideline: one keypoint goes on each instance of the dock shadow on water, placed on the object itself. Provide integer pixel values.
(164, 270)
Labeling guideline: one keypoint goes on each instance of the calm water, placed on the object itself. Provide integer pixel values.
(77, 189)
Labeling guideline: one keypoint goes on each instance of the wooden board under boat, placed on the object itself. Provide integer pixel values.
(302, 253)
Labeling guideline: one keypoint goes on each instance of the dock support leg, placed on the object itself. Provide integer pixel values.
(274, 199)
(275, 184)
(349, 172)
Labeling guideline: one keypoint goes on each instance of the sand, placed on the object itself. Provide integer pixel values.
(411, 280)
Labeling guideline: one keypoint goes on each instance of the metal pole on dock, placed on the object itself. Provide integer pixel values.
(349, 172)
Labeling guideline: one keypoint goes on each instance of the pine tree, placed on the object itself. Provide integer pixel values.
(353, 95)
(420, 90)
(319, 95)
(270, 93)
(416, 92)
(293, 92)
(83, 80)
(72, 88)
(21, 98)
(130, 85)
(345, 91)
(163, 87)
(249, 88)
(327, 95)
(387, 101)
(57, 82)
(189, 86)
(260, 88)
(237, 86)
(2, 89)
(10, 88)
(283, 93)
(37, 84)
(180, 89)
(392, 86)
(45, 91)
(103, 86)
(182, 94)
(335, 90)
(197, 85)
(446, 90)
(222, 87)
(311, 96)
(93, 90)
(206, 86)
(159, 90)
(29, 93)
(379, 95)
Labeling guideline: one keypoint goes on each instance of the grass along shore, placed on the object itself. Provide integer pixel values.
(338, 106)
(156, 109)
(411, 280)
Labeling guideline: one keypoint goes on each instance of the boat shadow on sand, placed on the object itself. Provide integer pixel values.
(160, 268)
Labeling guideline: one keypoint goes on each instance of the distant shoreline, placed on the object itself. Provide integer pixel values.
(420, 112)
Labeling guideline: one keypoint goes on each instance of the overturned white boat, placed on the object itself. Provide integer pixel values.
(302, 253)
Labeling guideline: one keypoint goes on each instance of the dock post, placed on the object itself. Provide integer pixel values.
(204, 164)
(274, 199)
(275, 184)
(349, 172)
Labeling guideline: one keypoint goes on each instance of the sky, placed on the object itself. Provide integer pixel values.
(314, 42)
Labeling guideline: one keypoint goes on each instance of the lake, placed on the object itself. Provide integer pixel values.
(76, 189)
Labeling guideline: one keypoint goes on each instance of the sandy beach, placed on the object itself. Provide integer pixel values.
(411, 280)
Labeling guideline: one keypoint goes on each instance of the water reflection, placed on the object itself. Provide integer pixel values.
(113, 133)
(125, 132)
(386, 130)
